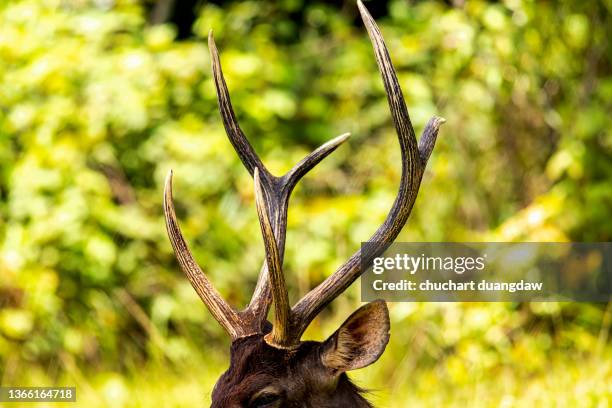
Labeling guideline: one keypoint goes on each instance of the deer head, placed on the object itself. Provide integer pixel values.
(270, 365)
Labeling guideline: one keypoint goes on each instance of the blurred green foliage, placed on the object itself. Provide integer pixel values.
(96, 106)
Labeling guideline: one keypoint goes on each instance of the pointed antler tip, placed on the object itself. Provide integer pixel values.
(168, 205)
(211, 41)
(169, 178)
(310, 161)
(362, 9)
(435, 123)
(337, 141)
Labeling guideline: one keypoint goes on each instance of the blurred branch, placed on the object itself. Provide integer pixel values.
(140, 316)
(73, 369)
(10, 369)
(161, 11)
(121, 188)
(11, 296)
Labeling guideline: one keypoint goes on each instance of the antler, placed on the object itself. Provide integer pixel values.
(414, 160)
(220, 310)
(274, 194)
(280, 298)
(272, 198)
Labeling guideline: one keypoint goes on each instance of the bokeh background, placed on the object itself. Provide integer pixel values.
(99, 99)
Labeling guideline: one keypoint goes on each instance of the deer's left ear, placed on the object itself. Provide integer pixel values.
(360, 340)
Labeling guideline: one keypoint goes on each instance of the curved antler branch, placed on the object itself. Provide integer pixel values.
(220, 310)
(413, 163)
(307, 163)
(397, 105)
(280, 298)
(235, 134)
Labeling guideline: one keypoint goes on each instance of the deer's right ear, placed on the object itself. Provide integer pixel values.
(360, 340)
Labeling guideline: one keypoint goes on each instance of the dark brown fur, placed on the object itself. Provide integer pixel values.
(297, 376)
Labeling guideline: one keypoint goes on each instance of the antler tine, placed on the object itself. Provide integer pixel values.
(413, 164)
(221, 311)
(307, 163)
(241, 144)
(236, 136)
(428, 139)
(280, 299)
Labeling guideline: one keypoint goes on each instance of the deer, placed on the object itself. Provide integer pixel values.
(270, 366)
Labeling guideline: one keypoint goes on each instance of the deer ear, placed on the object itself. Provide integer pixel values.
(360, 340)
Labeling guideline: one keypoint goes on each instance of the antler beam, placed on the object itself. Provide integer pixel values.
(280, 298)
(414, 160)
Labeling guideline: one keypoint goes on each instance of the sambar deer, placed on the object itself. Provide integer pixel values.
(270, 365)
